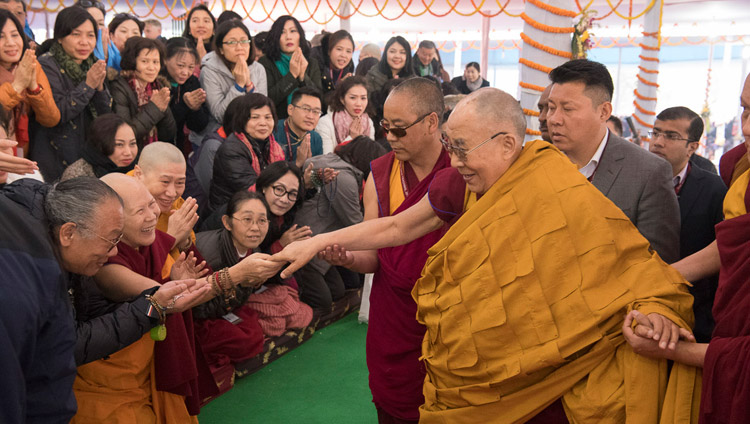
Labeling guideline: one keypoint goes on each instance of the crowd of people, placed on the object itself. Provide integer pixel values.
(170, 205)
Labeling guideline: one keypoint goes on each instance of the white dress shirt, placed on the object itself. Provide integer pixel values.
(589, 169)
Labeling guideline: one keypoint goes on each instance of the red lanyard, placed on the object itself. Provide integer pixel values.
(404, 183)
(330, 71)
(288, 142)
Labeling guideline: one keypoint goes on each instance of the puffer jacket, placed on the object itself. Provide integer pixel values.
(125, 104)
(221, 88)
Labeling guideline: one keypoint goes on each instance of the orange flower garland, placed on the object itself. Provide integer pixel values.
(534, 87)
(642, 97)
(534, 65)
(530, 112)
(642, 110)
(553, 9)
(546, 28)
(526, 39)
(647, 82)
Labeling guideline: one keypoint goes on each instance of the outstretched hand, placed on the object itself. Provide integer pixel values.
(14, 164)
(297, 254)
(186, 267)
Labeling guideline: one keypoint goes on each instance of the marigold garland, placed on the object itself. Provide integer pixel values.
(647, 82)
(650, 34)
(642, 97)
(534, 65)
(553, 9)
(526, 39)
(648, 71)
(631, 18)
(643, 46)
(546, 28)
(533, 132)
(642, 110)
(530, 112)
(649, 59)
(640, 121)
(529, 86)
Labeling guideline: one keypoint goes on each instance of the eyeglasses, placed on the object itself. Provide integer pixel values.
(280, 191)
(113, 243)
(261, 222)
(400, 132)
(241, 43)
(460, 152)
(671, 136)
(307, 110)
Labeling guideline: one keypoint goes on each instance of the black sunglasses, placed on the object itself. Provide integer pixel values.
(400, 131)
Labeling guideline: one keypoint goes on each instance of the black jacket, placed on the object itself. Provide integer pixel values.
(37, 336)
(233, 170)
(701, 202)
(125, 104)
(196, 120)
(280, 87)
(57, 147)
(460, 84)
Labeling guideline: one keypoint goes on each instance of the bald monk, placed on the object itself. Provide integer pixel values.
(161, 168)
(524, 297)
(725, 359)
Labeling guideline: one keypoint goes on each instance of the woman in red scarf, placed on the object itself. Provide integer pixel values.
(140, 95)
(23, 83)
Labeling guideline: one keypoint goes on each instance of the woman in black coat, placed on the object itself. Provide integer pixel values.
(188, 99)
(471, 80)
(77, 82)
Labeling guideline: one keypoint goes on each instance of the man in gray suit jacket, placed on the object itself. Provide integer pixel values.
(636, 181)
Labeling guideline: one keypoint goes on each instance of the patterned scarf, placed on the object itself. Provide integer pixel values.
(143, 93)
(342, 121)
(270, 152)
(74, 71)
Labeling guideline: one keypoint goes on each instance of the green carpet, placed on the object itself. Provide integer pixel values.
(322, 381)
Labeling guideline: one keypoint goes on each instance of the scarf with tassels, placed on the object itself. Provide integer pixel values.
(269, 152)
(143, 92)
(76, 72)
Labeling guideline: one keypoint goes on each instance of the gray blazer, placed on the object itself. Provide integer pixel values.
(640, 183)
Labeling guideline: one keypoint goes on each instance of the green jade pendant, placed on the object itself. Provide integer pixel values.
(159, 333)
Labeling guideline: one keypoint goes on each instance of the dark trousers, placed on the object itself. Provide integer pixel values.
(318, 290)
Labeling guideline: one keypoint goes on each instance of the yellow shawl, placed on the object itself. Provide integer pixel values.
(524, 298)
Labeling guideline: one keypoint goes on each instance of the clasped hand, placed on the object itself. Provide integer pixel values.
(655, 336)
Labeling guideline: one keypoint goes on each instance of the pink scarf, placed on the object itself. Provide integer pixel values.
(144, 96)
(342, 121)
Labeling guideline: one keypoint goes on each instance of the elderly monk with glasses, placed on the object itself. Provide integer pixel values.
(524, 296)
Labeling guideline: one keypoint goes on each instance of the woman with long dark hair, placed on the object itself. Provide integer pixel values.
(471, 80)
(199, 28)
(77, 82)
(288, 62)
(334, 56)
(395, 63)
(23, 84)
(348, 117)
(187, 97)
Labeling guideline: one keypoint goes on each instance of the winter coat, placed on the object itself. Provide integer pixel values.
(196, 120)
(125, 104)
(55, 148)
(280, 87)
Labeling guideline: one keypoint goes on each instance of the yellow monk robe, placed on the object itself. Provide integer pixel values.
(734, 201)
(120, 388)
(524, 299)
(396, 192)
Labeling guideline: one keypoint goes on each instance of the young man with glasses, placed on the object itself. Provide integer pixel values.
(637, 182)
(675, 137)
(296, 134)
(524, 296)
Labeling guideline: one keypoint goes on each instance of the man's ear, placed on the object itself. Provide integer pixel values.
(692, 147)
(289, 109)
(66, 233)
(509, 144)
(138, 171)
(605, 111)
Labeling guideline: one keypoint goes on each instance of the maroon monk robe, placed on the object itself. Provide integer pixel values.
(729, 160)
(394, 337)
(726, 370)
(178, 365)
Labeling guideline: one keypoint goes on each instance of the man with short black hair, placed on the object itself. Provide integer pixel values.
(675, 137)
(615, 125)
(296, 134)
(637, 182)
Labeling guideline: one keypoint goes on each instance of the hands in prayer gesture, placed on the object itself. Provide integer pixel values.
(194, 99)
(182, 221)
(14, 164)
(241, 72)
(329, 174)
(24, 77)
(96, 75)
(356, 128)
(161, 98)
(201, 47)
(298, 65)
(303, 151)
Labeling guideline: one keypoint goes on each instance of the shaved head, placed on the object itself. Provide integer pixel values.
(422, 95)
(159, 153)
(488, 106)
(126, 186)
